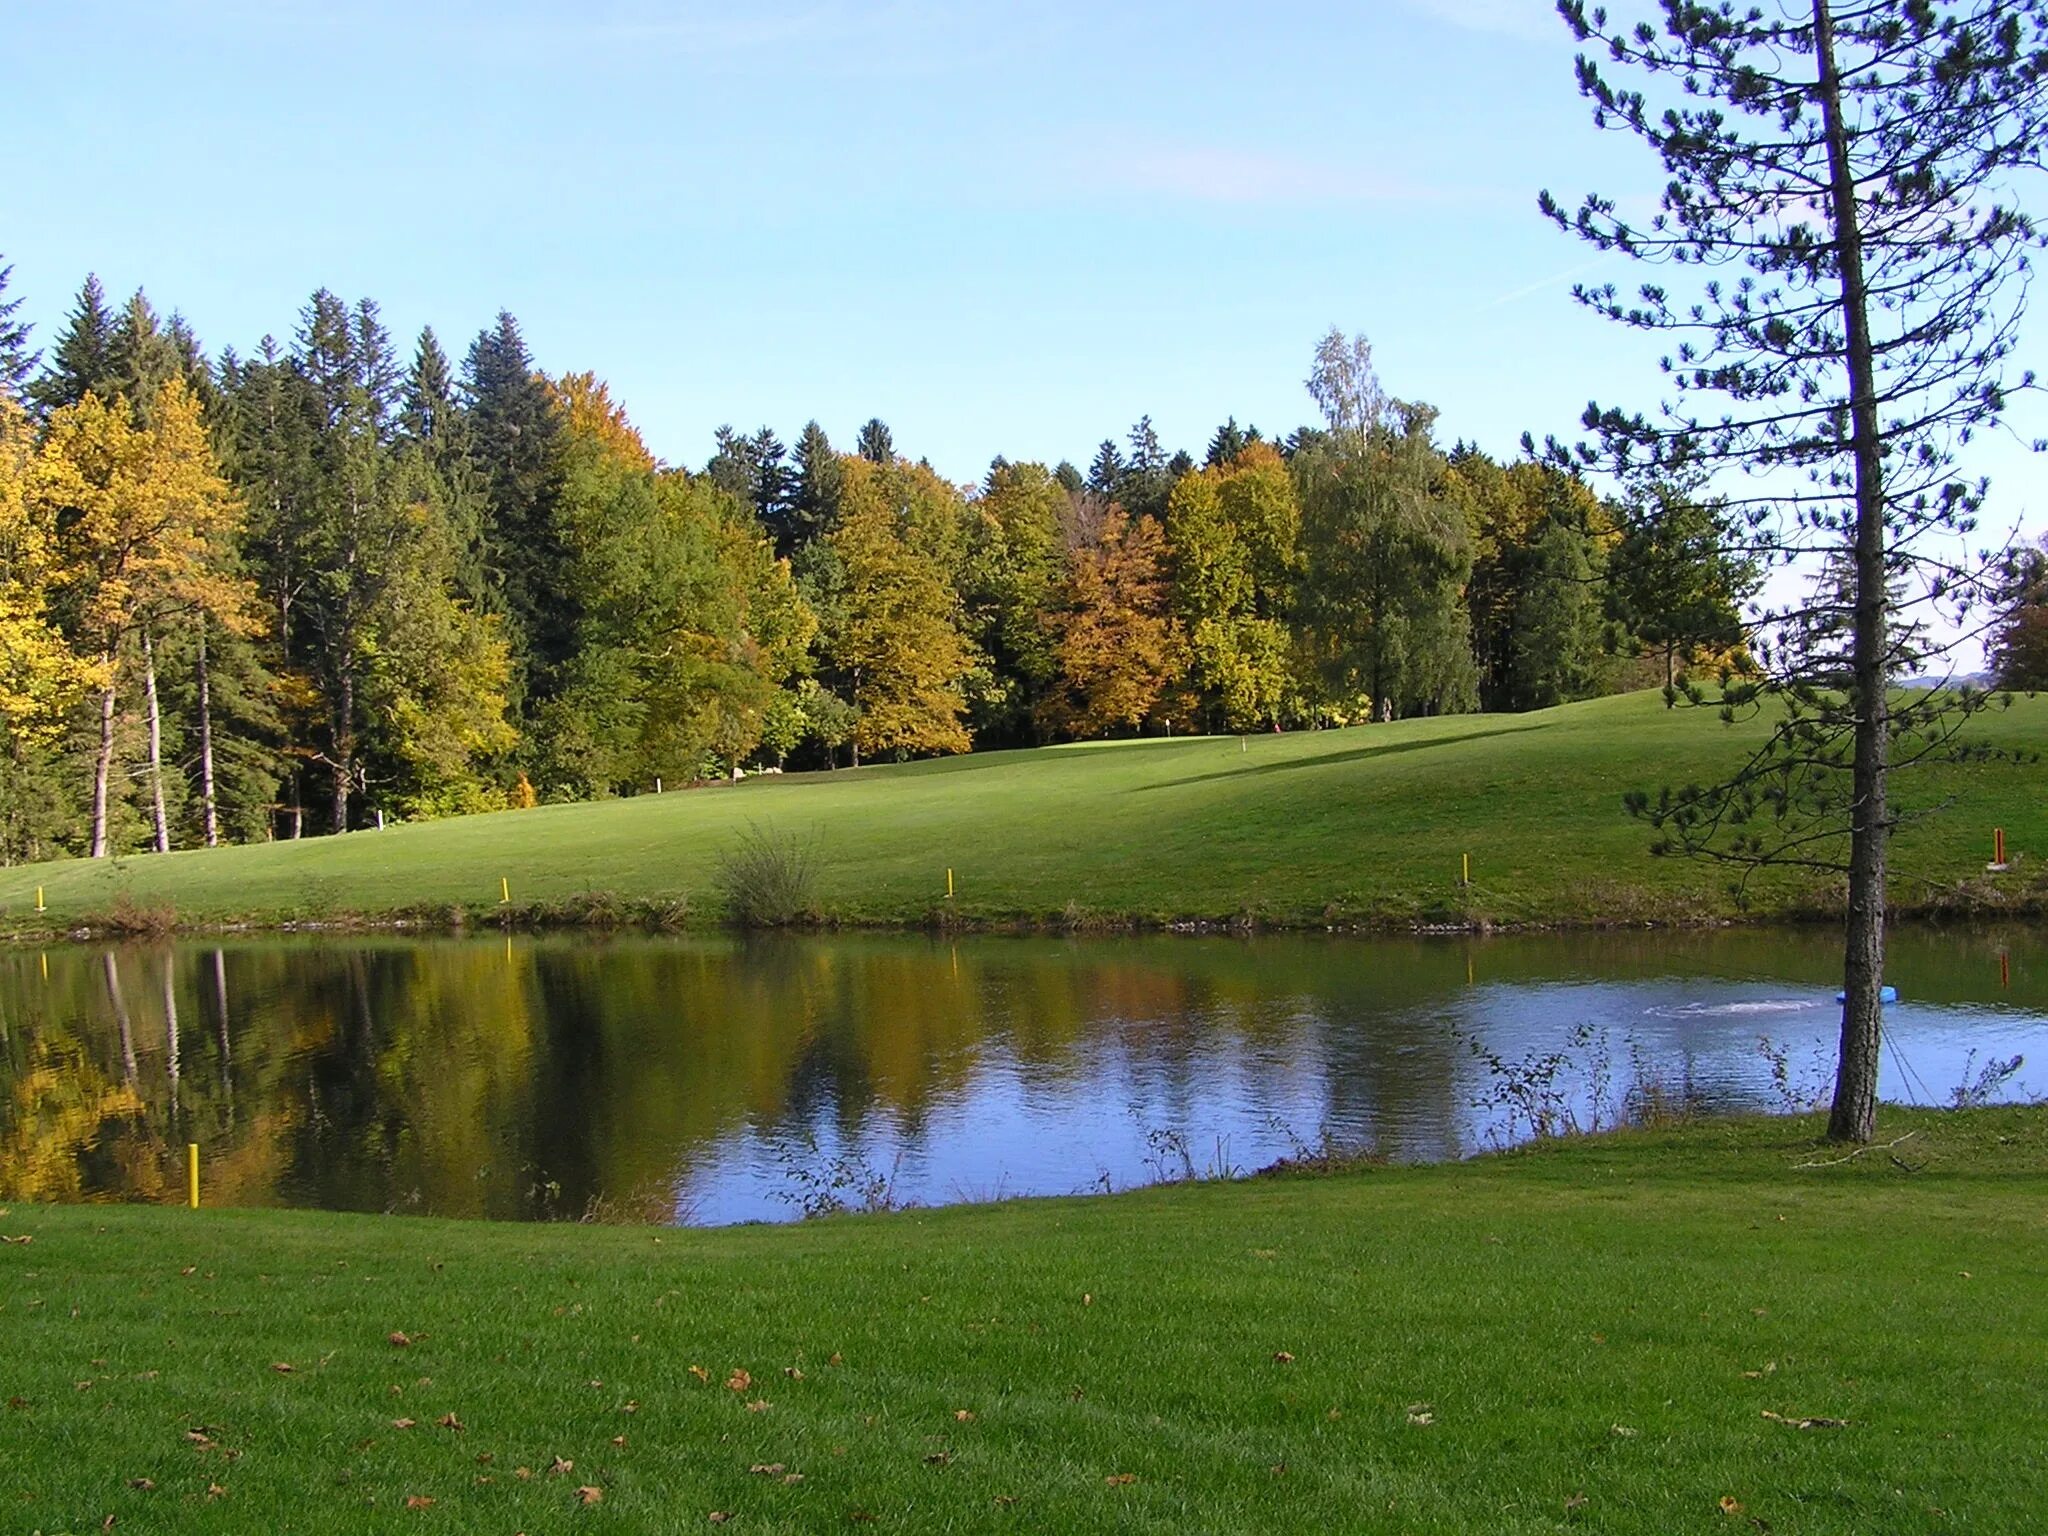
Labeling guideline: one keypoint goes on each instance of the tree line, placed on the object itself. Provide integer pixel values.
(323, 584)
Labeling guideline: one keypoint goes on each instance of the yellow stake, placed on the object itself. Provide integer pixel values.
(949, 885)
(46, 965)
(1468, 871)
(504, 890)
(192, 1173)
(39, 899)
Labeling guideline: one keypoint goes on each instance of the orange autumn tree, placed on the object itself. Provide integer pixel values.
(1118, 641)
(144, 519)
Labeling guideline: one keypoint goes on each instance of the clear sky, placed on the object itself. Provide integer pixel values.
(1003, 228)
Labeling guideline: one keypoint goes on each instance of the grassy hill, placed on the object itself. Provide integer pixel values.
(1664, 1331)
(1367, 825)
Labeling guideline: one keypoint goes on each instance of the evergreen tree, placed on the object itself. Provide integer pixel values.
(17, 362)
(820, 481)
(142, 356)
(513, 429)
(1148, 474)
(773, 483)
(82, 362)
(1070, 478)
(1226, 445)
(874, 443)
(1106, 473)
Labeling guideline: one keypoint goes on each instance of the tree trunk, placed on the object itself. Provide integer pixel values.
(227, 1049)
(156, 744)
(1670, 664)
(344, 747)
(103, 767)
(208, 815)
(1853, 1116)
(171, 1044)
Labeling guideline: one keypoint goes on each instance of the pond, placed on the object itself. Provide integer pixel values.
(721, 1079)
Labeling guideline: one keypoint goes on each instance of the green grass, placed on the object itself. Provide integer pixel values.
(1367, 826)
(1597, 1331)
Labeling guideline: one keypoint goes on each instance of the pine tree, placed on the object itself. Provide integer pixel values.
(874, 443)
(1226, 445)
(513, 430)
(82, 362)
(1106, 474)
(17, 362)
(1070, 478)
(820, 481)
(142, 356)
(1852, 165)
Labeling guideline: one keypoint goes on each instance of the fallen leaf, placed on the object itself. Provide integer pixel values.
(836, 1359)
(418, 1501)
(560, 1466)
(1087, 1299)
(449, 1421)
(964, 1415)
(767, 1469)
(1421, 1413)
(189, 1269)
(1623, 1430)
(215, 1491)
(631, 1405)
(589, 1495)
(791, 1479)
(403, 1423)
(1121, 1479)
(719, 1516)
(1730, 1505)
(1004, 1500)
(17, 1403)
(397, 1340)
(25, 1239)
(522, 1473)
(1812, 1423)
(200, 1438)
(284, 1368)
(759, 1405)
(700, 1373)
(1282, 1357)
(1576, 1501)
(107, 1524)
(794, 1373)
(738, 1381)
(619, 1440)
(485, 1458)
(145, 1484)
(939, 1459)
(1769, 1367)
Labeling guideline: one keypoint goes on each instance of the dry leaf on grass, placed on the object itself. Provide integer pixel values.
(1282, 1357)
(403, 1423)
(561, 1466)
(1121, 1479)
(419, 1501)
(738, 1381)
(399, 1340)
(589, 1495)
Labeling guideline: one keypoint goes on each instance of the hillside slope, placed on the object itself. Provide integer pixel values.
(1367, 825)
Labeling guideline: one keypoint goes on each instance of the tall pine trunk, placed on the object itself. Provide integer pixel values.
(156, 745)
(103, 765)
(1853, 1116)
(209, 817)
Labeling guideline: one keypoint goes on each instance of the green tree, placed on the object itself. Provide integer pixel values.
(1675, 581)
(814, 503)
(1854, 166)
(1008, 583)
(874, 443)
(17, 361)
(82, 361)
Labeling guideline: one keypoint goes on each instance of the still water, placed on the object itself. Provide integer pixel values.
(725, 1079)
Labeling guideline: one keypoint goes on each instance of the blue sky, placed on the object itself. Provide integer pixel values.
(1003, 228)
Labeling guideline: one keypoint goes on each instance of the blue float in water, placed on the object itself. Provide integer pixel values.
(1884, 995)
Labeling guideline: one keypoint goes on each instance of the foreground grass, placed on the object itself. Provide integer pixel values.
(1367, 826)
(1586, 1337)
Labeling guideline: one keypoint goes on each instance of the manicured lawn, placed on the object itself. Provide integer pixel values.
(1363, 825)
(1612, 1335)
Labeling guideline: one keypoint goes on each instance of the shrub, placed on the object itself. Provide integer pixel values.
(770, 879)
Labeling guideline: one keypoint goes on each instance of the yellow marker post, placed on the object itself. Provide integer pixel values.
(192, 1173)
(504, 890)
(39, 899)
(949, 885)
(1467, 877)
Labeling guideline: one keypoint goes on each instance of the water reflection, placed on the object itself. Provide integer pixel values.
(717, 1079)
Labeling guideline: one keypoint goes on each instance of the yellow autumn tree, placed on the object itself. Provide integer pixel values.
(1118, 642)
(40, 676)
(143, 519)
(899, 536)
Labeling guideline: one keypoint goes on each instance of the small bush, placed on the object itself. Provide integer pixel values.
(770, 880)
(137, 919)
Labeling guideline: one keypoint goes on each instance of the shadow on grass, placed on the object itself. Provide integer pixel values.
(1358, 754)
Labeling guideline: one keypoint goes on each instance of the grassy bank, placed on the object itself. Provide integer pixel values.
(1366, 826)
(1611, 1335)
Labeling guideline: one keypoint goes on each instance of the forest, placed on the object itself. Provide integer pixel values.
(323, 585)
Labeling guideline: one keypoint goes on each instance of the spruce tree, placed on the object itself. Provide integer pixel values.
(142, 356)
(874, 443)
(820, 481)
(82, 361)
(513, 432)
(1070, 478)
(1106, 474)
(1226, 445)
(17, 362)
